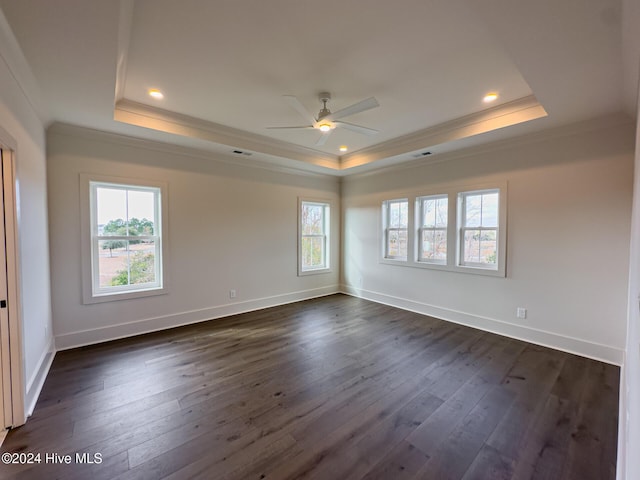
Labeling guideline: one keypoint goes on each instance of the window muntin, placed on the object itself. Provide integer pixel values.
(314, 236)
(126, 250)
(478, 228)
(432, 223)
(396, 228)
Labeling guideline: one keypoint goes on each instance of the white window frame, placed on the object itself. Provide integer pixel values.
(452, 263)
(423, 228)
(463, 228)
(325, 236)
(91, 290)
(387, 228)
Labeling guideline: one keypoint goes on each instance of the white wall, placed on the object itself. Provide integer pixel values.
(569, 204)
(19, 120)
(230, 227)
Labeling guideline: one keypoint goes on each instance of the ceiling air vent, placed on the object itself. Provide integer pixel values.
(240, 152)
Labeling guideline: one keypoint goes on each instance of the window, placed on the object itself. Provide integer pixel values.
(123, 247)
(454, 228)
(432, 231)
(396, 227)
(313, 246)
(479, 228)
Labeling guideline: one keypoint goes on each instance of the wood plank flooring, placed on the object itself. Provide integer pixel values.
(331, 388)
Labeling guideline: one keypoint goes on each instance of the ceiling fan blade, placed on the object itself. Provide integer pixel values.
(298, 107)
(323, 139)
(291, 128)
(362, 106)
(357, 128)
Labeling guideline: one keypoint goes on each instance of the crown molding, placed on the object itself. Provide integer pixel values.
(611, 121)
(142, 115)
(65, 129)
(17, 64)
(510, 113)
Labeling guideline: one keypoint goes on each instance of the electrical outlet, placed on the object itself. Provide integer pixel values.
(232, 293)
(521, 312)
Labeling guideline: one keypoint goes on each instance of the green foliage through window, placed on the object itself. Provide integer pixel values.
(141, 270)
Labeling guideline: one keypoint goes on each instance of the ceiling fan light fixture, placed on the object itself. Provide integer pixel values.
(325, 127)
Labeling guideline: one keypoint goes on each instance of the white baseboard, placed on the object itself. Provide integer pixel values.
(584, 348)
(36, 382)
(147, 325)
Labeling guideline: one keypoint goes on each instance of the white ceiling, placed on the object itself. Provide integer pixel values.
(224, 67)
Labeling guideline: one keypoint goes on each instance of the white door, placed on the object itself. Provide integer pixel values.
(6, 414)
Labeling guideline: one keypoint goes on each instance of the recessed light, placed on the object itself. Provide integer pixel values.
(343, 148)
(490, 97)
(155, 93)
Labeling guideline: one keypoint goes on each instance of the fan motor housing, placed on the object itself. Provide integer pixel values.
(324, 98)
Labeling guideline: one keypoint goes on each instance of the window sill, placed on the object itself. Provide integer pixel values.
(500, 272)
(317, 271)
(125, 295)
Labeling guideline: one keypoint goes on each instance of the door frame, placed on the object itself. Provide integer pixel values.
(14, 304)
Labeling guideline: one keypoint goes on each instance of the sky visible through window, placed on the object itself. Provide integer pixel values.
(113, 205)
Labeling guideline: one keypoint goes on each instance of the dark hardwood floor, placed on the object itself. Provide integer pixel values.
(331, 388)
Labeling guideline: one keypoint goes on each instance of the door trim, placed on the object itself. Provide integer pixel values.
(14, 303)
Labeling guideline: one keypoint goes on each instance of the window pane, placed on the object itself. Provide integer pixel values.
(397, 244)
(434, 212)
(480, 247)
(472, 246)
(428, 244)
(442, 212)
(429, 213)
(123, 263)
(404, 214)
(481, 210)
(490, 210)
(312, 219)
(111, 209)
(394, 215)
(113, 259)
(398, 214)
(488, 247)
(141, 206)
(142, 266)
(473, 210)
(434, 245)
(312, 252)
(124, 212)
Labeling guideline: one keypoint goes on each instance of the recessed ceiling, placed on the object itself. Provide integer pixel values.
(223, 68)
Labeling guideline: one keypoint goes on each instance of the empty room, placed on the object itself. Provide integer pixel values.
(342, 240)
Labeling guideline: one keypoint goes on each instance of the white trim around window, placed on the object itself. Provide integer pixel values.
(314, 236)
(454, 228)
(124, 241)
(396, 241)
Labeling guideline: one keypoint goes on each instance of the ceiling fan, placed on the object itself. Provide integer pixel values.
(327, 121)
